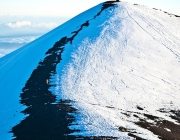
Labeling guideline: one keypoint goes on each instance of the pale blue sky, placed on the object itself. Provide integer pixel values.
(70, 8)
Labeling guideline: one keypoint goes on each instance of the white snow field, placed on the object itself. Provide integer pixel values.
(127, 58)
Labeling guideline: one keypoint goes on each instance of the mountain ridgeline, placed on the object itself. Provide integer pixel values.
(111, 72)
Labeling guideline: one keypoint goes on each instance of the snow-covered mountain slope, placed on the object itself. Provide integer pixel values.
(117, 64)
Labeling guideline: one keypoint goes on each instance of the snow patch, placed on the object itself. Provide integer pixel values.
(167, 129)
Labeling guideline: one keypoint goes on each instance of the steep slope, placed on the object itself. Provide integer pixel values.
(111, 71)
(17, 68)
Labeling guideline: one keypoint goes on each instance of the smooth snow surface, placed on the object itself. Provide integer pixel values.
(128, 57)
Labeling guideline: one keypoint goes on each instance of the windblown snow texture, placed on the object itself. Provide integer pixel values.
(110, 72)
(125, 82)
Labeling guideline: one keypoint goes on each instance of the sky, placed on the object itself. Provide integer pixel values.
(22, 21)
(72, 7)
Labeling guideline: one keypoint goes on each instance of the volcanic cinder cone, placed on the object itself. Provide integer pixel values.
(111, 72)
